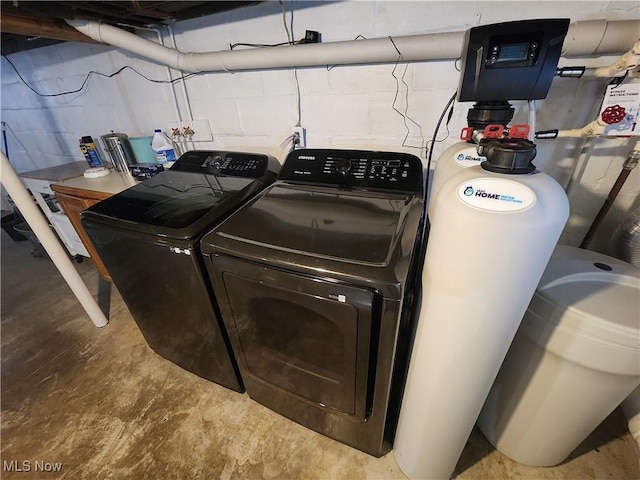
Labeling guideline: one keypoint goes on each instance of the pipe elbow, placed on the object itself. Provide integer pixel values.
(86, 27)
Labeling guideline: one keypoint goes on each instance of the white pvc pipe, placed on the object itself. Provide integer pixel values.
(584, 38)
(628, 63)
(591, 37)
(591, 129)
(9, 178)
(185, 93)
(532, 119)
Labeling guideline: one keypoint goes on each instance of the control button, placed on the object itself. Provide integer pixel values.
(534, 46)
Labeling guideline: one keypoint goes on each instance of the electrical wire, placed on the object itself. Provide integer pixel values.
(4, 139)
(330, 67)
(295, 75)
(435, 134)
(425, 226)
(298, 97)
(404, 115)
(284, 21)
(263, 45)
(93, 72)
(290, 35)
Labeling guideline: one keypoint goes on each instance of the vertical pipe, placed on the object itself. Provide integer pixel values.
(630, 163)
(185, 93)
(9, 178)
(176, 104)
(532, 120)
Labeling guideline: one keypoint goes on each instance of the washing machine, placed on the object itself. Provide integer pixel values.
(315, 281)
(148, 238)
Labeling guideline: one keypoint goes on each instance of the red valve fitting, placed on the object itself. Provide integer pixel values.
(519, 131)
(466, 134)
(493, 131)
(613, 114)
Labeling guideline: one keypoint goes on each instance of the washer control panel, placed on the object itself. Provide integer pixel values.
(354, 168)
(234, 164)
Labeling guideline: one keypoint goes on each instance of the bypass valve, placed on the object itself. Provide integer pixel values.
(613, 114)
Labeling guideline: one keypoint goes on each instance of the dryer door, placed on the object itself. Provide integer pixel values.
(307, 336)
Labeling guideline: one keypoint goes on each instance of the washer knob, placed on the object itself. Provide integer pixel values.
(344, 166)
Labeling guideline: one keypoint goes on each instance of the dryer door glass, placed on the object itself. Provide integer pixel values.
(309, 337)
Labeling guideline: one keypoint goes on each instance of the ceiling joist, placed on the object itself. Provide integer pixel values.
(30, 24)
(32, 27)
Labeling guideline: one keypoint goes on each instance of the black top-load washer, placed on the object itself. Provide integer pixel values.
(148, 238)
(314, 279)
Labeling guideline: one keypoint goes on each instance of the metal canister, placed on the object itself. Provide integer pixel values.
(119, 149)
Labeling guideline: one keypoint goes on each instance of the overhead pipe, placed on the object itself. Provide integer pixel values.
(9, 178)
(592, 37)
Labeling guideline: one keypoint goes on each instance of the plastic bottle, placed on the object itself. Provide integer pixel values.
(492, 233)
(162, 147)
(88, 149)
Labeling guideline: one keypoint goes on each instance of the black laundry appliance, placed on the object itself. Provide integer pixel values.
(148, 238)
(314, 279)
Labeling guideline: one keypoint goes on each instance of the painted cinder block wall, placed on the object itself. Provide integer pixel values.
(340, 106)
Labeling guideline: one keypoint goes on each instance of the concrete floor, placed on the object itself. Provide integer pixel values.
(102, 404)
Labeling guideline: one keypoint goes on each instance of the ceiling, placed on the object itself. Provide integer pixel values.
(32, 24)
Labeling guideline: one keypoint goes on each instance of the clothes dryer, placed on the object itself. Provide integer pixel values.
(314, 279)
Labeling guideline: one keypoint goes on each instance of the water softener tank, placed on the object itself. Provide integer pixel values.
(493, 230)
(464, 154)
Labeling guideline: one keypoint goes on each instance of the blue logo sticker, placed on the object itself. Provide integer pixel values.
(468, 191)
(460, 156)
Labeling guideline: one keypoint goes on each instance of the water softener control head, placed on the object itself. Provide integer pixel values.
(510, 156)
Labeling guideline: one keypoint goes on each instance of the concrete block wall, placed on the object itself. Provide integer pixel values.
(340, 106)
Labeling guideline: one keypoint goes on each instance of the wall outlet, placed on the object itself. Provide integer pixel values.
(202, 130)
(299, 138)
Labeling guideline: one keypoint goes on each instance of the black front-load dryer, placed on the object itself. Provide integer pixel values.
(314, 279)
(148, 238)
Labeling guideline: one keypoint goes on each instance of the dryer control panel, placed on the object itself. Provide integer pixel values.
(354, 168)
(234, 164)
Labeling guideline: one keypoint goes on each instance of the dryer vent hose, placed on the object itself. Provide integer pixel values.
(626, 239)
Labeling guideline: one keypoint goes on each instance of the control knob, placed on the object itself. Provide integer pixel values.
(344, 166)
(217, 162)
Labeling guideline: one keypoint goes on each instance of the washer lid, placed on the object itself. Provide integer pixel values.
(171, 204)
(357, 227)
(591, 294)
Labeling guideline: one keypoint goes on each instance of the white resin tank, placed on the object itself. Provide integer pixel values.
(491, 238)
(457, 157)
